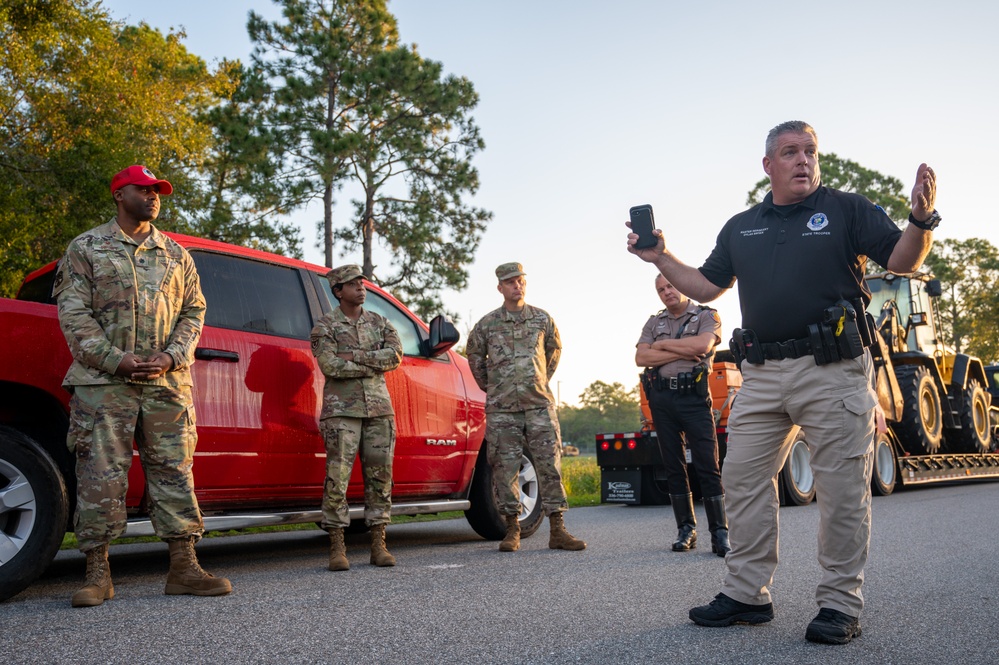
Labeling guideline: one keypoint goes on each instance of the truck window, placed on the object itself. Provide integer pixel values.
(405, 326)
(252, 296)
(39, 289)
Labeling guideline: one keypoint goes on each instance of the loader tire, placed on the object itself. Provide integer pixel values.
(921, 427)
(976, 429)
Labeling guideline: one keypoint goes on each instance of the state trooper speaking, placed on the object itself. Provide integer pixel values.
(799, 258)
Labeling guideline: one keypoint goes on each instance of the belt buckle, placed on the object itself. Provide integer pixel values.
(785, 350)
(672, 383)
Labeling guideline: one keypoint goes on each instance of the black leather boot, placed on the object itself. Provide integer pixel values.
(683, 511)
(714, 506)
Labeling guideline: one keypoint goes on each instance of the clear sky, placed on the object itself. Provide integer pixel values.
(589, 107)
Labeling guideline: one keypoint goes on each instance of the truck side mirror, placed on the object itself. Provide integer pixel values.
(443, 335)
(933, 288)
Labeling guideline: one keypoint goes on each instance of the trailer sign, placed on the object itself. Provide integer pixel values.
(620, 487)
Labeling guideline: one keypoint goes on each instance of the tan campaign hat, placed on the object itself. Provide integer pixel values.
(508, 270)
(343, 274)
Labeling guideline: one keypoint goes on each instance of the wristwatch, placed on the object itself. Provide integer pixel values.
(930, 224)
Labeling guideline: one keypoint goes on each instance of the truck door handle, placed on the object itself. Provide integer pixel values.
(215, 354)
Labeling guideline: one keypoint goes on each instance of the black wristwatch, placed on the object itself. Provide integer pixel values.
(930, 224)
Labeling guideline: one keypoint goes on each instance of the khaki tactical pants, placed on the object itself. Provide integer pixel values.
(834, 404)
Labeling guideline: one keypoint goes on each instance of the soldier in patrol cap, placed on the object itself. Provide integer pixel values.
(513, 352)
(355, 348)
(131, 309)
(679, 343)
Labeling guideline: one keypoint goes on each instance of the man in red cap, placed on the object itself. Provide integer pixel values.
(131, 309)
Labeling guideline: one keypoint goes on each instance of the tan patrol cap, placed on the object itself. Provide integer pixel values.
(508, 270)
(343, 274)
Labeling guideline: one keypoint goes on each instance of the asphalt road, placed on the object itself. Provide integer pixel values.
(453, 598)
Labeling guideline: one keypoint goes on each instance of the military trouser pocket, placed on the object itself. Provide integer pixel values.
(80, 438)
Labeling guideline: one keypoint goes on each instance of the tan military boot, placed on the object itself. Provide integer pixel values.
(560, 539)
(97, 586)
(511, 541)
(338, 551)
(186, 577)
(379, 555)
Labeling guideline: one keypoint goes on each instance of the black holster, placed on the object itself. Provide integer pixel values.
(745, 346)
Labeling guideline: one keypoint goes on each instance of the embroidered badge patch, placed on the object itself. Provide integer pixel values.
(818, 221)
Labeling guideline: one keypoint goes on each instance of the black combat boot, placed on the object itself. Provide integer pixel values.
(683, 510)
(714, 506)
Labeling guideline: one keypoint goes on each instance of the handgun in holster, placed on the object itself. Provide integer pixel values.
(646, 378)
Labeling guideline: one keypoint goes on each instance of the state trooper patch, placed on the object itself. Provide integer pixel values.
(818, 221)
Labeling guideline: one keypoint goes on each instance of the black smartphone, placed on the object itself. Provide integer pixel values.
(643, 223)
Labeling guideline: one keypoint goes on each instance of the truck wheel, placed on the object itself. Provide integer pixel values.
(796, 482)
(885, 465)
(484, 516)
(921, 427)
(655, 491)
(33, 511)
(976, 430)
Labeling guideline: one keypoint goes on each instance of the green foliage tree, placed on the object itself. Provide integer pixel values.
(348, 103)
(603, 407)
(242, 200)
(416, 133)
(969, 307)
(81, 96)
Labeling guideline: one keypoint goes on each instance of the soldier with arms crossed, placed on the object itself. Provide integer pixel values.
(355, 348)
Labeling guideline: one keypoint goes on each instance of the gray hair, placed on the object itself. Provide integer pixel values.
(789, 127)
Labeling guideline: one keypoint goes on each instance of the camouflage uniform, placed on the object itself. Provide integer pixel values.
(357, 412)
(512, 356)
(117, 296)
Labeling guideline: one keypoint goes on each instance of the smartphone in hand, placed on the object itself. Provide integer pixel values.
(643, 223)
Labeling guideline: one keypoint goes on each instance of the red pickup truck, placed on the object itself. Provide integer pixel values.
(260, 458)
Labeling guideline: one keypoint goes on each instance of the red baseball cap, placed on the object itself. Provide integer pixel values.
(138, 175)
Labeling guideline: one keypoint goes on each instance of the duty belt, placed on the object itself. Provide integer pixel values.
(789, 350)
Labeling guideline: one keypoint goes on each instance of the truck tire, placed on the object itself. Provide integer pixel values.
(484, 516)
(921, 427)
(33, 511)
(885, 473)
(795, 480)
(976, 430)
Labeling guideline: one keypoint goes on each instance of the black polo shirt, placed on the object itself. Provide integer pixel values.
(791, 265)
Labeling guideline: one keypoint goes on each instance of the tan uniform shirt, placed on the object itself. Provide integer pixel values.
(513, 356)
(117, 296)
(356, 388)
(694, 321)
